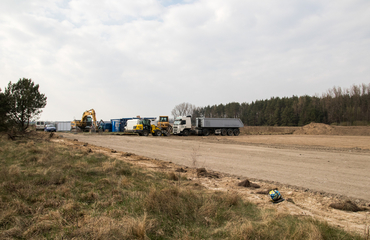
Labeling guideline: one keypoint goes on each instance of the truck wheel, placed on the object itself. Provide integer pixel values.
(223, 132)
(185, 133)
(157, 133)
(236, 132)
(205, 132)
(229, 132)
(145, 133)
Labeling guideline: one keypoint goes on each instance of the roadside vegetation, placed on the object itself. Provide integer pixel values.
(54, 191)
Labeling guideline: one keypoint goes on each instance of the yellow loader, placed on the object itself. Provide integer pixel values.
(144, 128)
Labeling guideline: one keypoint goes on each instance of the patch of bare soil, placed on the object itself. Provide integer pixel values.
(301, 202)
(360, 144)
(324, 129)
(309, 129)
(315, 129)
(267, 130)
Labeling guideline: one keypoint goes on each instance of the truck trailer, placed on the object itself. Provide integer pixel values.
(205, 126)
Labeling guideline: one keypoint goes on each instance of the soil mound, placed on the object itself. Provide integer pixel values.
(315, 129)
(202, 172)
(247, 183)
(346, 206)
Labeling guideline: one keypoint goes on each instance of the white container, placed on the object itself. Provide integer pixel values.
(63, 126)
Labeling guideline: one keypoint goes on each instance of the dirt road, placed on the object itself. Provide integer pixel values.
(332, 164)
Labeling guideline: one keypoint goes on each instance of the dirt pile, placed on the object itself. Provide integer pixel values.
(202, 172)
(324, 129)
(347, 206)
(315, 129)
(247, 183)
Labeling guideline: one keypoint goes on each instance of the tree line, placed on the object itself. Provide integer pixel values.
(337, 106)
(20, 103)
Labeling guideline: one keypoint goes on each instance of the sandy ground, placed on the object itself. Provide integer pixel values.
(311, 170)
(333, 164)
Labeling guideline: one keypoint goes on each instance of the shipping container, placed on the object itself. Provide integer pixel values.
(63, 126)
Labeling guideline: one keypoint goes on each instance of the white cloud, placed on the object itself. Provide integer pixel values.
(91, 12)
(127, 58)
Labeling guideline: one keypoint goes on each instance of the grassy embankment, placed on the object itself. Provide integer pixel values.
(54, 191)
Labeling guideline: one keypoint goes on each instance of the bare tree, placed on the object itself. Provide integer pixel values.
(183, 109)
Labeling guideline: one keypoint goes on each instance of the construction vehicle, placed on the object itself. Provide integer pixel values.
(205, 126)
(144, 128)
(164, 124)
(87, 123)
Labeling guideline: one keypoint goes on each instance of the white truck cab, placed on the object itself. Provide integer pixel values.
(182, 125)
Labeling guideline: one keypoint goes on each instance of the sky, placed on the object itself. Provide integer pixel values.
(125, 58)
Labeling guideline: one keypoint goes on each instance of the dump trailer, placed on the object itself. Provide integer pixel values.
(205, 126)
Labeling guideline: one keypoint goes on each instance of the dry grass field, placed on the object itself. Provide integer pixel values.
(56, 189)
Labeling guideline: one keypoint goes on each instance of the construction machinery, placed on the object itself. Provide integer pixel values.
(144, 128)
(87, 123)
(164, 124)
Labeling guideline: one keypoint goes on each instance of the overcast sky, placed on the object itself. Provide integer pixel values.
(125, 58)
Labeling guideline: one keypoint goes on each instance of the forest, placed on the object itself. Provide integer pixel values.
(337, 106)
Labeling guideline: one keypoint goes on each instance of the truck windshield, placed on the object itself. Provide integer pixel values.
(177, 122)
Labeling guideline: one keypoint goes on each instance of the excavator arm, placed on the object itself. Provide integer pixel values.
(85, 119)
(88, 113)
(91, 113)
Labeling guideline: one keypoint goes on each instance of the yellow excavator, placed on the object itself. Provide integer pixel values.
(87, 123)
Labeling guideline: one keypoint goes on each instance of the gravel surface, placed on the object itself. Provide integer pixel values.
(333, 164)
